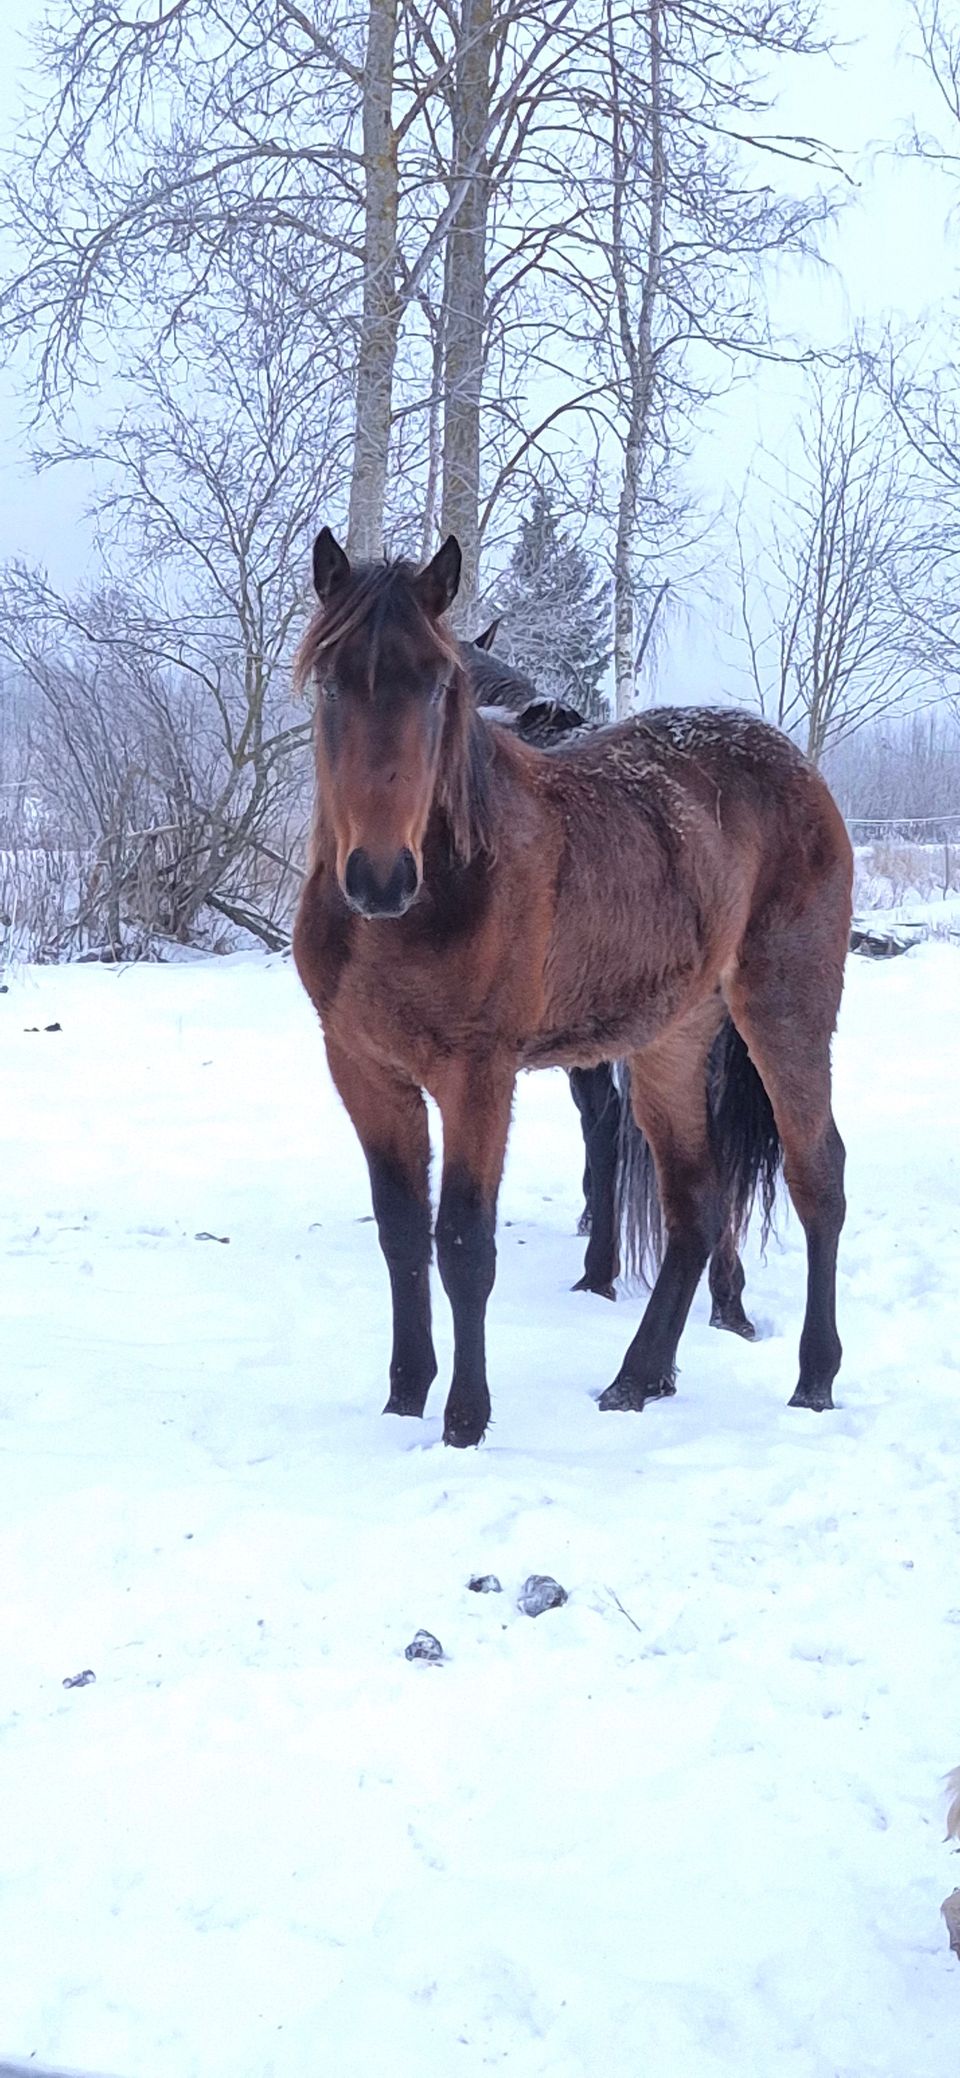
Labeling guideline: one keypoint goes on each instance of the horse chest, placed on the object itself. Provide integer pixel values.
(410, 1012)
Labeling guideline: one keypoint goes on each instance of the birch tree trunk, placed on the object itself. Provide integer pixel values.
(464, 297)
(431, 493)
(380, 318)
(636, 340)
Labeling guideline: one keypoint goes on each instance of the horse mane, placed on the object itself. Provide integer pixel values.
(373, 594)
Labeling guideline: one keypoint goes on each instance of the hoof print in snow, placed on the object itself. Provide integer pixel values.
(485, 1584)
(424, 1646)
(224, 1239)
(540, 1593)
(79, 1680)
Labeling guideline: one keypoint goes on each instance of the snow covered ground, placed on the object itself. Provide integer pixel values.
(689, 1823)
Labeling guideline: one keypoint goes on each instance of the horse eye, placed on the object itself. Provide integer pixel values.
(330, 691)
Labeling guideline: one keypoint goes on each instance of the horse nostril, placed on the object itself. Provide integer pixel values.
(407, 875)
(356, 876)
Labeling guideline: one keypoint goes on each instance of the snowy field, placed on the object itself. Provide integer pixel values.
(690, 1823)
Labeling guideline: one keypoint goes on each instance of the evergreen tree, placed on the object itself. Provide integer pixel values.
(555, 622)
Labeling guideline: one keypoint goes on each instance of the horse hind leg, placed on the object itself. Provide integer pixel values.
(669, 1092)
(788, 1027)
(595, 1095)
(726, 1280)
(575, 1079)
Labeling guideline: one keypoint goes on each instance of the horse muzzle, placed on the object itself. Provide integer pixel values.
(373, 890)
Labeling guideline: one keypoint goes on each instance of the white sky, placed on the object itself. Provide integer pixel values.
(892, 253)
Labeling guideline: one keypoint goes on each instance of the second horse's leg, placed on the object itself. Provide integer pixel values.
(726, 1280)
(595, 1095)
(475, 1099)
(669, 1089)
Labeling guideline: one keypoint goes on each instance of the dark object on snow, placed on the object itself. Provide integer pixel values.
(80, 1680)
(485, 1584)
(539, 1593)
(47, 1028)
(879, 945)
(223, 1239)
(951, 1912)
(424, 1646)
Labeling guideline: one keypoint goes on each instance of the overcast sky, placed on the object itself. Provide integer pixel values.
(892, 253)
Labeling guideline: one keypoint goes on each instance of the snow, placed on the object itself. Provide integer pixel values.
(691, 1821)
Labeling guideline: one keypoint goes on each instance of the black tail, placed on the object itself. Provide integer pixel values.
(745, 1138)
(746, 1145)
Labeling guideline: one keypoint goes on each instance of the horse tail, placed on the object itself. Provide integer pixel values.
(639, 1213)
(746, 1145)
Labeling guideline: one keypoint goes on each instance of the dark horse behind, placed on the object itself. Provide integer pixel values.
(475, 906)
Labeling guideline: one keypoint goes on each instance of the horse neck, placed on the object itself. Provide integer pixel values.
(495, 683)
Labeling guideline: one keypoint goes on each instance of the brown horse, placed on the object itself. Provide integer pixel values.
(475, 906)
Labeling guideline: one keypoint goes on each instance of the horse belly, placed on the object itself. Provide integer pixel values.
(615, 989)
(605, 1027)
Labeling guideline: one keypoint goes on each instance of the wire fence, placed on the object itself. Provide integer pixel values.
(905, 829)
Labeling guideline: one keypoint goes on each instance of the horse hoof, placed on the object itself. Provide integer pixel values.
(464, 1435)
(819, 1398)
(602, 1291)
(737, 1324)
(630, 1395)
(404, 1403)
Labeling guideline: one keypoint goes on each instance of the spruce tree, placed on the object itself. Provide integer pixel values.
(556, 613)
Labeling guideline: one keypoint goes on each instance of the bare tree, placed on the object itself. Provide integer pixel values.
(822, 583)
(938, 25)
(208, 494)
(922, 395)
(923, 408)
(679, 202)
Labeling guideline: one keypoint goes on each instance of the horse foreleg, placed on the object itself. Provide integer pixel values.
(390, 1118)
(595, 1094)
(475, 1100)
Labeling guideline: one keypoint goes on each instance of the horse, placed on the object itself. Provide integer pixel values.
(619, 1178)
(474, 906)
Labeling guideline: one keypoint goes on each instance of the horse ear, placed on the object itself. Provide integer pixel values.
(488, 638)
(330, 565)
(436, 586)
